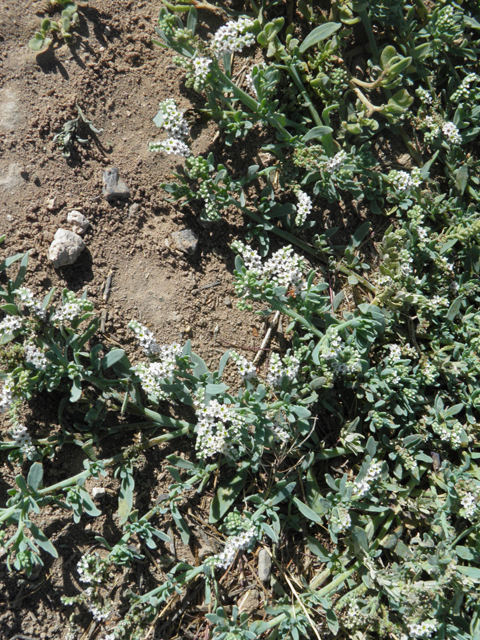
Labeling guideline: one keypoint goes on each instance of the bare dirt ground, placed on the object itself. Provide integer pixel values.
(118, 80)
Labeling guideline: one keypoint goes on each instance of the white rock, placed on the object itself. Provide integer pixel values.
(264, 565)
(65, 248)
(98, 492)
(79, 221)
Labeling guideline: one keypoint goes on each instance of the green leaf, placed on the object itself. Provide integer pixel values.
(192, 20)
(125, 498)
(42, 540)
(37, 42)
(112, 357)
(320, 33)
(455, 308)
(35, 476)
(471, 572)
(306, 511)
(20, 481)
(318, 549)
(332, 621)
(387, 54)
(461, 178)
(399, 102)
(215, 389)
(317, 132)
(227, 492)
(400, 66)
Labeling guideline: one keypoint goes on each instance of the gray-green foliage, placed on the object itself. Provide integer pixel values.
(67, 21)
(385, 387)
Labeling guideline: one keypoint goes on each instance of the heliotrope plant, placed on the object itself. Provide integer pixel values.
(379, 368)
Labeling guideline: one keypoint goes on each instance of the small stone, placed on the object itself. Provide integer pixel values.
(185, 240)
(113, 185)
(65, 248)
(98, 492)
(107, 31)
(227, 302)
(78, 221)
(249, 601)
(264, 565)
(133, 209)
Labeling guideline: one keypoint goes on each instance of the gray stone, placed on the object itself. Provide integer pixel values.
(185, 240)
(227, 302)
(113, 185)
(264, 565)
(78, 221)
(133, 209)
(65, 248)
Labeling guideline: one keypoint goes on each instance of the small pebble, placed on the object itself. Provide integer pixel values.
(227, 302)
(113, 185)
(264, 565)
(65, 248)
(186, 241)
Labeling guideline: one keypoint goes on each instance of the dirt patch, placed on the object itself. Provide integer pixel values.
(118, 80)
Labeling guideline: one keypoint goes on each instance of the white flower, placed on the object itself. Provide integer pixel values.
(10, 324)
(170, 146)
(278, 369)
(336, 162)
(234, 544)
(34, 356)
(451, 133)
(404, 182)
(154, 374)
(423, 629)
(7, 397)
(28, 301)
(362, 487)
(469, 503)
(304, 207)
(245, 368)
(173, 120)
(201, 68)
(145, 337)
(218, 428)
(232, 37)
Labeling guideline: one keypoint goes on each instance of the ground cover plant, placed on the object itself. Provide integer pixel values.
(358, 443)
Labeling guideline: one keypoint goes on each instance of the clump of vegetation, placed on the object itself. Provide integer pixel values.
(381, 506)
(72, 131)
(62, 27)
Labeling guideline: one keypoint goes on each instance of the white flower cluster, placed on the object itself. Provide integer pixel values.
(201, 68)
(362, 487)
(424, 95)
(283, 269)
(100, 613)
(395, 352)
(279, 368)
(174, 123)
(22, 438)
(451, 133)
(280, 433)
(72, 308)
(452, 435)
(341, 358)
(7, 397)
(26, 298)
(469, 504)
(36, 357)
(304, 207)
(245, 368)
(445, 264)
(170, 146)
(343, 521)
(233, 37)
(333, 164)
(90, 569)
(234, 544)
(10, 324)
(154, 374)
(423, 629)
(145, 337)
(218, 427)
(403, 182)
